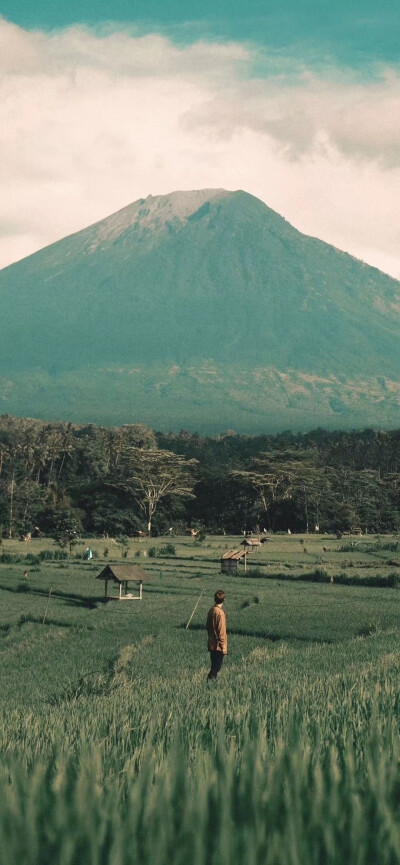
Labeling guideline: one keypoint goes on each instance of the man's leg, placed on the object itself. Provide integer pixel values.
(216, 664)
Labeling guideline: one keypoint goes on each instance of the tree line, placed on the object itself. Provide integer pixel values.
(121, 480)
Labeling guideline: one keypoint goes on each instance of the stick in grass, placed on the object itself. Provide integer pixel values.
(195, 608)
(47, 606)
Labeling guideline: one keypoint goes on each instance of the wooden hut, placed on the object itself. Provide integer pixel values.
(231, 559)
(251, 543)
(122, 574)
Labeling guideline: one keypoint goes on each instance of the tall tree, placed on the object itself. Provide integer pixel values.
(277, 476)
(150, 475)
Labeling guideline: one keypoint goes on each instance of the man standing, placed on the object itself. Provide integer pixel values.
(217, 643)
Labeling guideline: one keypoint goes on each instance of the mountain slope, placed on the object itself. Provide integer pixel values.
(183, 280)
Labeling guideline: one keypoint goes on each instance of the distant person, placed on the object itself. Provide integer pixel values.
(25, 575)
(217, 642)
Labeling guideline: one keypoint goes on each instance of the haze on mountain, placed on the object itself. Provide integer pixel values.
(204, 310)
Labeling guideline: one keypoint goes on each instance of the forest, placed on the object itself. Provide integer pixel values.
(65, 480)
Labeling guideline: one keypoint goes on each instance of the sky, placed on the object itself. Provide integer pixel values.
(294, 101)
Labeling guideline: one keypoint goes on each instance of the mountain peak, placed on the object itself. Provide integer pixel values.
(181, 204)
(153, 212)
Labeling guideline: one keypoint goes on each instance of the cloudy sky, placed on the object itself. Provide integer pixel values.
(295, 101)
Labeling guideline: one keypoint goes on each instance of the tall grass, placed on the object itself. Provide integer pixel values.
(295, 803)
(283, 762)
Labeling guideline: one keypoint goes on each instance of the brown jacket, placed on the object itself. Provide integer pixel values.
(216, 629)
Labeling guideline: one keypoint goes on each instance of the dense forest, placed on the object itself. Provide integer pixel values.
(94, 480)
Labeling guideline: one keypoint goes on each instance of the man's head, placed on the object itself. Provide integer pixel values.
(219, 597)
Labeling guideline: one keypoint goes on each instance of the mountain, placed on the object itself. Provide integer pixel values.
(202, 310)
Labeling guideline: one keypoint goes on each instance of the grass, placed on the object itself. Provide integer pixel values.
(115, 750)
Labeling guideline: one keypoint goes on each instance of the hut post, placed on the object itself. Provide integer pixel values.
(140, 589)
(245, 562)
(120, 590)
(105, 588)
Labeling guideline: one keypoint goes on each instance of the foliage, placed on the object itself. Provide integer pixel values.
(167, 550)
(114, 479)
(67, 529)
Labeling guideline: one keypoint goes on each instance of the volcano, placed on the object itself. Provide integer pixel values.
(204, 310)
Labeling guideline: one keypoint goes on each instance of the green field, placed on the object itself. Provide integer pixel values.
(115, 749)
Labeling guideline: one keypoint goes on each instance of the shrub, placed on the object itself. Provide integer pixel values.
(46, 555)
(167, 550)
(31, 559)
(60, 555)
(201, 535)
(320, 575)
(9, 559)
(52, 555)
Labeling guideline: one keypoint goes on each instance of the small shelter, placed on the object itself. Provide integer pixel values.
(231, 559)
(251, 543)
(122, 574)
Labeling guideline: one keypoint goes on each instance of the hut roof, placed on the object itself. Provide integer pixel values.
(233, 554)
(122, 572)
(250, 542)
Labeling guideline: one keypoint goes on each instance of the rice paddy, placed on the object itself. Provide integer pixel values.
(115, 750)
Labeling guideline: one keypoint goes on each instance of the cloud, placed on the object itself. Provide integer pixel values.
(94, 119)
(312, 114)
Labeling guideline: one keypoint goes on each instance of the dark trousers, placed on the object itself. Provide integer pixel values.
(216, 664)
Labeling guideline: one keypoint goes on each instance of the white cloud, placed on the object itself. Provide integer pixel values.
(92, 121)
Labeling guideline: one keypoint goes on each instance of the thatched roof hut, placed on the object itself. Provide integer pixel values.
(122, 574)
(231, 559)
(252, 543)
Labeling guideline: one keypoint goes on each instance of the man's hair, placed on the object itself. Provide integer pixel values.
(219, 597)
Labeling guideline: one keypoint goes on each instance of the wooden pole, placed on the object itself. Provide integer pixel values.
(47, 606)
(195, 608)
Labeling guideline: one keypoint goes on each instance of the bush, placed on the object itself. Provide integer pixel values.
(9, 559)
(167, 550)
(51, 555)
(320, 575)
(46, 555)
(31, 559)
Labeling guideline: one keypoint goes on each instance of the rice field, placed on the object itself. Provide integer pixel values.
(114, 748)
